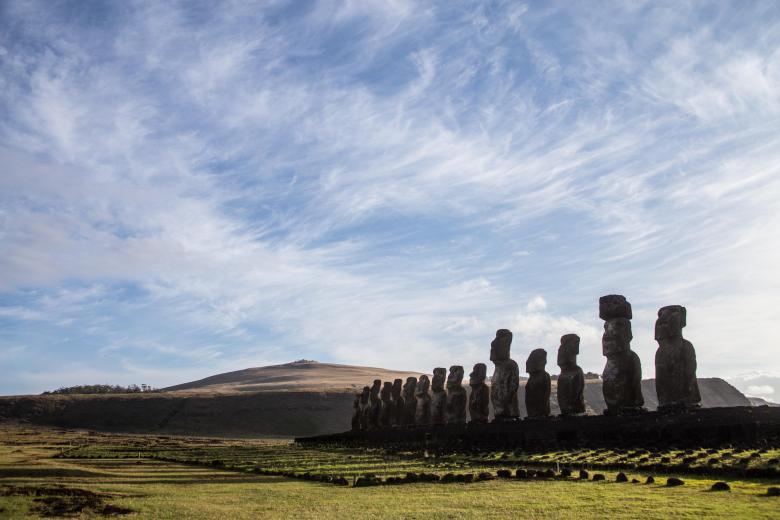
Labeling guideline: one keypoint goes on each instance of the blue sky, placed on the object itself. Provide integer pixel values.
(191, 188)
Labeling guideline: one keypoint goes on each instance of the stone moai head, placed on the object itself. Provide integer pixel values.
(439, 375)
(409, 387)
(568, 351)
(376, 387)
(478, 375)
(387, 391)
(670, 322)
(397, 385)
(455, 379)
(499, 347)
(423, 384)
(614, 306)
(365, 394)
(617, 336)
(536, 361)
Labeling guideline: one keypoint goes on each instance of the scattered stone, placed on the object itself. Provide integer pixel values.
(675, 362)
(621, 477)
(506, 378)
(720, 486)
(674, 482)
(571, 381)
(537, 388)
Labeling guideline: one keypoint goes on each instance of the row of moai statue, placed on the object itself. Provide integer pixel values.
(426, 402)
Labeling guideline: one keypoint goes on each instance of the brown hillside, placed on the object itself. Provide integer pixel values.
(298, 376)
(294, 399)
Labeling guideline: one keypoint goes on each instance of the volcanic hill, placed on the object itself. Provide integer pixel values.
(293, 399)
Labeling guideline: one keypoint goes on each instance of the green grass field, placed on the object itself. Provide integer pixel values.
(57, 472)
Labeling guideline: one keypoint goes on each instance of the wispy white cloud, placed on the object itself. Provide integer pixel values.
(385, 183)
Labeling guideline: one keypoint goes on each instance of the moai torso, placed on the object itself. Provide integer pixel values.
(398, 403)
(388, 407)
(537, 389)
(622, 376)
(365, 408)
(410, 401)
(675, 362)
(422, 414)
(456, 396)
(375, 406)
(356, 413)
(506, 378)
(622, 383)
(479, 400)
(571, 381)
(438, 396)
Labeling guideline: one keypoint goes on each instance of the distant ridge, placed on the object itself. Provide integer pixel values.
(296, 376)
(300, 398)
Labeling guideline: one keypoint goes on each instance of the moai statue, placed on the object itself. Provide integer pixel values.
(365, 408)
(675, 362)
(375, 406)
(571, 382)
(506, 379)
(422, 415)
(356, 413)
(410, 401)
(456, 396)
(479, 400)
(388, 407)
(537, 389)
(622, 377)
(438, 396)
(398, 403)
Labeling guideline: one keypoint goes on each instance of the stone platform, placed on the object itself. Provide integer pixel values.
(706, 427)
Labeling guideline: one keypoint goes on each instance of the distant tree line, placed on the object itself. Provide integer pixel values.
(103, 389)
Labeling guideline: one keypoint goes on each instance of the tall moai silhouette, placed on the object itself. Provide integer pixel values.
(438, 396)
(506, 378)
(537, 388)
(422, 415)
(479, 399)
(675, 362)
(410, 401)
(398, 403)
(456, 396)
(622, 376)
(571, 381)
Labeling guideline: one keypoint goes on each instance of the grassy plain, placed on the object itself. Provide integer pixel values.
(137, 476)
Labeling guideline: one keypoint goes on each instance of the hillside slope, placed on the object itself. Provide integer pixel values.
(295, 399)
(297, 376)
